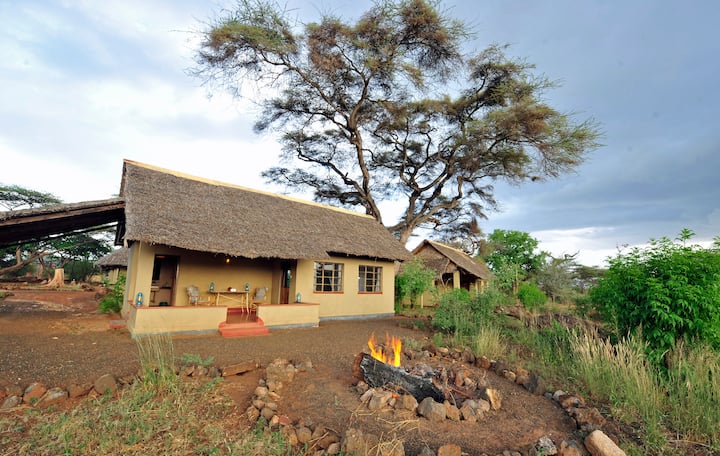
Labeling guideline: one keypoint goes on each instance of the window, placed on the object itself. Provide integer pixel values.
(328, 277)
(369, 279)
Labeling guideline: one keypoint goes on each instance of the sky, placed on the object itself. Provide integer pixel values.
(85, 84)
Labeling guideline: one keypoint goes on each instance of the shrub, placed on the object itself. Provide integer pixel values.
(669, 289)
(531, 295)
(412, 281)
(112, 302)
(463, 313)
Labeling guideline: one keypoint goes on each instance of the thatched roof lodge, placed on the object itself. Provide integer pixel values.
(175, 209)
(198, 241)
(454, 268)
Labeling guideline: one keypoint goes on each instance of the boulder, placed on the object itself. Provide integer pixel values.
(33, 393)
(599, 444)
(105, 384)
(53, 396)
(431, 410)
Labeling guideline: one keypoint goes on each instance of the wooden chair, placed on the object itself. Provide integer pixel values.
(194, 297)
(259, 297)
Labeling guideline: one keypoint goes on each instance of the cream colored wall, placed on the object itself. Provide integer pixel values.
(178, 320)
(140, 267)
(348, 303)
(289, 314)
(199, 269)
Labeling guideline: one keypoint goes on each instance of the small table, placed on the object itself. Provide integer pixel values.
(234, 297)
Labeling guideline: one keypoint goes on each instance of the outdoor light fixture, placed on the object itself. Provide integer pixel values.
(227, 260)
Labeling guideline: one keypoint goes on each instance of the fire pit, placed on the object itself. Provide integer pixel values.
(448, 382)
(381, 369)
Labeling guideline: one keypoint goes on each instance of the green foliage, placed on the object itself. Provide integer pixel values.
(193, 359)
(413, 280)
(113, 301)
(531, 295)
(15, 197)
(463, 314)
(512, 247)
(669, 289)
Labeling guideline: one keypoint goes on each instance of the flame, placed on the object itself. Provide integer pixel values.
(391, 343)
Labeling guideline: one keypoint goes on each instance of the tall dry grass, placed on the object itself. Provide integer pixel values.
(622, 376)
(693, 385)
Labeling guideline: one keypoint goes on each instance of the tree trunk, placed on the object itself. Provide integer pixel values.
(59, 279)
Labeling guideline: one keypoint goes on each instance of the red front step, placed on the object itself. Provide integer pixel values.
(252, 328)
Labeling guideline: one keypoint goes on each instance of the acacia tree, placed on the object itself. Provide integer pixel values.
(390, 108)
(513, 256)
(57, 251)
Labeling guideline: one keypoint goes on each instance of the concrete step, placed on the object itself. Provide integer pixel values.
(253, 328)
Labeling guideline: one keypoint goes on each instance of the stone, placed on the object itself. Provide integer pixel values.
(304, 434)
(482, 362)
(408, 402)
(290, 435)
(284, 420)
(587, 419)
(76, 390)
(449, 449)
(568, 401)
(508, 374)
(274, 422)
(252, 414)
(280, 370)
(451, 412)
(53, 396)
(105, 384)
(545, 447)
(500, 366)
(362, 387)
(426, 451)
(379, 399)
(33, 393)
(267, 413)
(535, 384)
(493, 396)
(14, 390)
(468, 413)
(10, 402)
(261, 392)
(569, 448)
(521, 375)
(328, 439)
(431, 410)
(468, 356)
(333, 449)
(599, 444)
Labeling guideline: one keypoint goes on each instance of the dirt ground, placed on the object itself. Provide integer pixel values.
(58, 338)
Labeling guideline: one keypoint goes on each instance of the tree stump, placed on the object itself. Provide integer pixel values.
(58, 279)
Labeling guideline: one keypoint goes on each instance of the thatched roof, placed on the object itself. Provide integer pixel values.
(459, 258)
(28, 225)
(114, 259)
(171, 208)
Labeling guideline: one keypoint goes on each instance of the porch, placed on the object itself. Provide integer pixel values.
(198, 320)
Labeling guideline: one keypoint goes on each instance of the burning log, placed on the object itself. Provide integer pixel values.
(379, 374)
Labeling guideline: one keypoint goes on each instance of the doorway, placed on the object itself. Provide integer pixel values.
(162, 288)
(285, 282)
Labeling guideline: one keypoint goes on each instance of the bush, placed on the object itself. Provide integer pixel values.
(412, 281)
(669, 289)
(531, 295)
(463, 313)
(113, 301)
